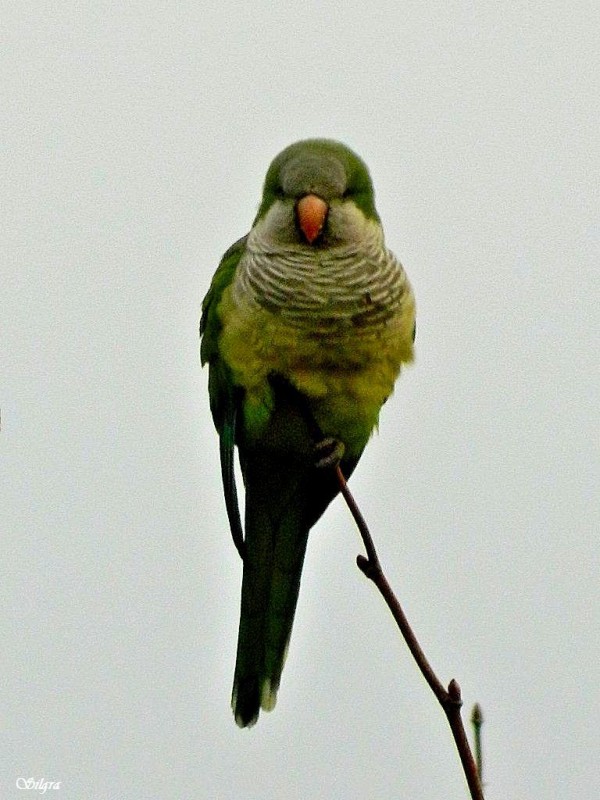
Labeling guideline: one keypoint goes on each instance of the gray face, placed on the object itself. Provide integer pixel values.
(322, 175)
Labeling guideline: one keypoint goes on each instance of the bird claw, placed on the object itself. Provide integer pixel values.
(329, 452)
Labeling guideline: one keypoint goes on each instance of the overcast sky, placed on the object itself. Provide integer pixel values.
(136, 136)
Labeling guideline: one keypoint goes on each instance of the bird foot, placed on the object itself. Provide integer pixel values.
(329, 452)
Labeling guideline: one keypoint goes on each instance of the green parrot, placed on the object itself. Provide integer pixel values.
(306, 324)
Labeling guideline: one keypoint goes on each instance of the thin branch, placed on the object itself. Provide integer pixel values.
(450, 699)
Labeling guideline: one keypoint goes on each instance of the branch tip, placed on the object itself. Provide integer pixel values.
(454, 693)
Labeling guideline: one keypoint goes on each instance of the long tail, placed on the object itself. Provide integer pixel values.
(285, 495)
(283, 501)
(276, 537)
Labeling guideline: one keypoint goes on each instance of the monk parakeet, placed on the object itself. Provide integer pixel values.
(304, 328)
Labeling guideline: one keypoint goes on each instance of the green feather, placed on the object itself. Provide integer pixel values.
(210, 322)
(224, 395)
(358, 183)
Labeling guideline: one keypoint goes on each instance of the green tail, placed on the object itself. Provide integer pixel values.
(284, 498)
(285, 495)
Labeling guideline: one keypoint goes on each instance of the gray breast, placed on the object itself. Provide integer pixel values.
(324, 291)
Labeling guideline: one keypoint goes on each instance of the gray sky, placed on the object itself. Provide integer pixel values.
(136, 138)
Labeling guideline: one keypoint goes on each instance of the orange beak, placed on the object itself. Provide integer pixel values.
(311, 212)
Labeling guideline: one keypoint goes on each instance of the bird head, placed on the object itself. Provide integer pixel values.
(317, 193)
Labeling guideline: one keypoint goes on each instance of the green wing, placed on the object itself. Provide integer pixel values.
(225, 397)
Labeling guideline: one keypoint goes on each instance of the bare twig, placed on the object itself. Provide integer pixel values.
(450, 699)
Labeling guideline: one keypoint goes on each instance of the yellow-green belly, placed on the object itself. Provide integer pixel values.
(347, 376)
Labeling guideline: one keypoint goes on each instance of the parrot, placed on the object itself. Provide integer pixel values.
(305, 327)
